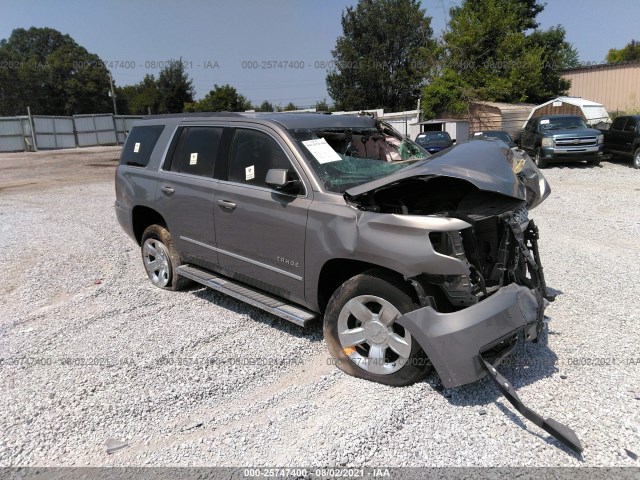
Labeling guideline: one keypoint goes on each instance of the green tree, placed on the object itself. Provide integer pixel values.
(383, 56)
(223, 98)
(629, 53)
(265, 107)
(289, 107)
(556, 55)
(492, 51)
(175, 87)
(52, 74)
(322, 106)
(140, 99)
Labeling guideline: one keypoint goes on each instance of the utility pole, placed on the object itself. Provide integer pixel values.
(33, 133)
(113, 95)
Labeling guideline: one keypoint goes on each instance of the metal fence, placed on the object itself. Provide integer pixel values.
(13, 132)
(54, 132)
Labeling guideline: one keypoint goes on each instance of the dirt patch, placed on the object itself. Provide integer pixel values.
(28, 171)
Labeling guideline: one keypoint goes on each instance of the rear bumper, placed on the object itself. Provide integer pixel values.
(454, 341)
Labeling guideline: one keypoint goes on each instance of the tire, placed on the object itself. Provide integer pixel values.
(594, 163)
(369, 294)
(636, 159)
(538, 160)
(160, 259)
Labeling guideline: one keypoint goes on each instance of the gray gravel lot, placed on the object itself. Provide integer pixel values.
(91, 350)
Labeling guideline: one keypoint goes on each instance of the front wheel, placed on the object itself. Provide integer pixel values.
(362, 334)
(594, 163)
(539, 160)
(636, 159)
(160, 259)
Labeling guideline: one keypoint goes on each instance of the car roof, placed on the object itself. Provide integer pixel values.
(289, 120)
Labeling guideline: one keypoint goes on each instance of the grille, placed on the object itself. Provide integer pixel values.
(576, 142)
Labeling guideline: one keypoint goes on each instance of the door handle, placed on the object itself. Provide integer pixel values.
(227, 204)
(167, 190)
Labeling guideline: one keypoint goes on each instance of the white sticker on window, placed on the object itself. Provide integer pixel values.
(250, 173)
(322, 150)
(544, 122)
(136, 147)
(193, 159)
(557, 104)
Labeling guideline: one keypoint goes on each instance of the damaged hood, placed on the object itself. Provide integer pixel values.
(489, 165)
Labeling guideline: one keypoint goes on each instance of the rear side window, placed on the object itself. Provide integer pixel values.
(139, 145)
(253, 153)
(630, 126)
(196, 151)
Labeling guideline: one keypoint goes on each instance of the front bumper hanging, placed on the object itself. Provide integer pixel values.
(458, 343)
(549, 425)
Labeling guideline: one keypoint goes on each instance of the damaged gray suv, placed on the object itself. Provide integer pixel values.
(414, 261)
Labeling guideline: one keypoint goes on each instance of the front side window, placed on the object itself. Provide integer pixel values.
(253, 154)
(630, 126)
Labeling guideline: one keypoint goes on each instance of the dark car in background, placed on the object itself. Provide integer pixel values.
(499, 134)
(434, 142)
(623, 138)
(561, 138)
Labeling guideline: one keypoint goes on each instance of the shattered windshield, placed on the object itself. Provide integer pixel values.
(345, 158)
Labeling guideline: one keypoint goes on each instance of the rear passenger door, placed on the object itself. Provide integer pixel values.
(186, 193)
(260, 232)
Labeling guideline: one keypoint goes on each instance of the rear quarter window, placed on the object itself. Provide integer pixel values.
(139, 145)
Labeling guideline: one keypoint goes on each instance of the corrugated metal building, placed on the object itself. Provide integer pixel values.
(616, 86)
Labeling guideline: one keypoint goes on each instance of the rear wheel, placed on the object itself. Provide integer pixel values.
(161, 259)
(539, 160)
(636, 159)
(362, 334)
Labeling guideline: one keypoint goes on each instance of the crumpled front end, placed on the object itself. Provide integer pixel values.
(504, 297)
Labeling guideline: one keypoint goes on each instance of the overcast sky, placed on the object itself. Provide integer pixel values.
(221, 41)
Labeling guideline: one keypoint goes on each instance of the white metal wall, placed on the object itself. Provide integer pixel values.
(52, 132)
(13, 131)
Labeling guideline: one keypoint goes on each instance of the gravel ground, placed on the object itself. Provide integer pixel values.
(92, 351)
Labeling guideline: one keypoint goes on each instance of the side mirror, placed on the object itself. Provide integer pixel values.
(279, 179)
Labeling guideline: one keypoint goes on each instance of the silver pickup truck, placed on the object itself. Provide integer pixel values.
(561, 138)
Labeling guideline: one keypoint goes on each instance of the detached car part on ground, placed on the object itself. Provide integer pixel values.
(415, 261)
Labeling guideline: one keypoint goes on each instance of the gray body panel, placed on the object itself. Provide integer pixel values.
(453, 341)
(189, 210)
(262, 228)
